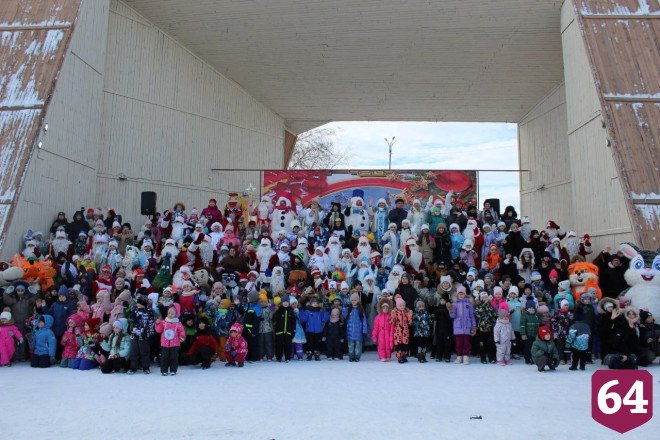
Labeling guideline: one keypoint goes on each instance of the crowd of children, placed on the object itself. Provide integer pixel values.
(282, 282)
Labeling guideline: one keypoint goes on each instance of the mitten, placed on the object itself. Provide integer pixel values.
(233, 353)
(228, 347)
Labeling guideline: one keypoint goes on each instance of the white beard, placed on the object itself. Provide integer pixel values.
(28, 252)
(216, 237)
(364, 251)
(61, 245)
(526, 231)
(178, 278)
(468, 234)
(415, 259)
(552, 233)
(393, 283)
(319, 262)
(362, 274)
(334, 253)
(283, 257)
(172, 250)
(263, 211)
(572, 246)
(264, 254)
(206, 252)
(277, 282)
(177, 231)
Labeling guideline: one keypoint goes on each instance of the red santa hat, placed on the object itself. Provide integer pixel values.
(287, 196)
(315, 272)
(526, 220)
(410, 241)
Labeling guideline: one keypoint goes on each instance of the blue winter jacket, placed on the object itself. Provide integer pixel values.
(313, 319)
(44, 338)
(355, 326)
(60, 311)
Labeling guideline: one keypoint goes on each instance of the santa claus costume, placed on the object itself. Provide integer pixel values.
(414, 259)
(554, 230)
(526, 227)
(104, 281)
(263, 212)
(320, 261)
(302, 251)
(202, 252)
(265, 260)
(216, 234)
(333, 250)
(473, 233)
(61, 245)
(394, 278)
(277, 284)
(356, 216)
(179, 228)
(177, 258)
(363, 249)
(283, 213)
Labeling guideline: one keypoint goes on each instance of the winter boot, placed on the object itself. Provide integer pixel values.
(501, 363)
(466, 360)
(459, 360)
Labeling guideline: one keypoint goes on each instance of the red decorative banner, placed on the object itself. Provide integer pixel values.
(338, 185)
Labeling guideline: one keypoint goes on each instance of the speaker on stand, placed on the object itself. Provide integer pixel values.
(148, 204)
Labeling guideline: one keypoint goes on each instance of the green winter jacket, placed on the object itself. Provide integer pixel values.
(529, 325)
(541, 347)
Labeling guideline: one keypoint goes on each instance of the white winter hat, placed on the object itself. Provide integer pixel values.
(344, 285)
(5, 315)
(265, 242)
(425, 226)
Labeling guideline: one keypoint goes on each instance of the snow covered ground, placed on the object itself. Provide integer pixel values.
(305, 400)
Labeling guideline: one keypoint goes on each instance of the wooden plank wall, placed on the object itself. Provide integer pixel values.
(34, 37)
(169, 118)
(622, 39)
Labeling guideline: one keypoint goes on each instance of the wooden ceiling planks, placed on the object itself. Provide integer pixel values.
(622, 38)
(34, 38)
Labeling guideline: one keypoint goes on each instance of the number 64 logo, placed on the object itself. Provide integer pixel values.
(622, 399)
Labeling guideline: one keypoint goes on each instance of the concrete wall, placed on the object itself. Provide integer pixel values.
(546, 192)
(597, 191)
(169, 118)
(61, 176)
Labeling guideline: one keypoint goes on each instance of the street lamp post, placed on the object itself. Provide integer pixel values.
(390, 143)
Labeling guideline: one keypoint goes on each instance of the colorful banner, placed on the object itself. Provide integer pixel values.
(338, 185)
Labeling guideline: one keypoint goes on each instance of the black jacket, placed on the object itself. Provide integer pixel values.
(284, 321)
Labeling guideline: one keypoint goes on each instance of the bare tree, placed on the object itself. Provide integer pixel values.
(316, 150)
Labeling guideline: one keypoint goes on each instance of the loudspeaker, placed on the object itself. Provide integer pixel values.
(148, 203)
(495, 204)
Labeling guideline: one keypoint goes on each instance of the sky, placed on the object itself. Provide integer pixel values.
(439, 145)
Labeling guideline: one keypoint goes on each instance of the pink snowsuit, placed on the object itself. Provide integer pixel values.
(70, 344)
(237, 345)
(7, 346)
(383, 334)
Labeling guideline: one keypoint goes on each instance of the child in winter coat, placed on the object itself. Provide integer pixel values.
(401, 320)
(88, 341)
(8, 332)
(334, 334)
(383, 332)
(544, 351)
(529, 327)
(578, 342)
(422, 323)
(142, 320)
(284, 324)
(515, 313)
(498, 302)
(118, 346)
(70, 342)
(172, 335)
(299, 337)
(486, 318)
(314, 317)
(236, 348)
(44, 343)
(266, 329)
(204, 347)
(356, 327)
(443, 329)
(221, 316)
(564, 293)
(561, 322)
(464, 324)
(503, 335)
(190, 330)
